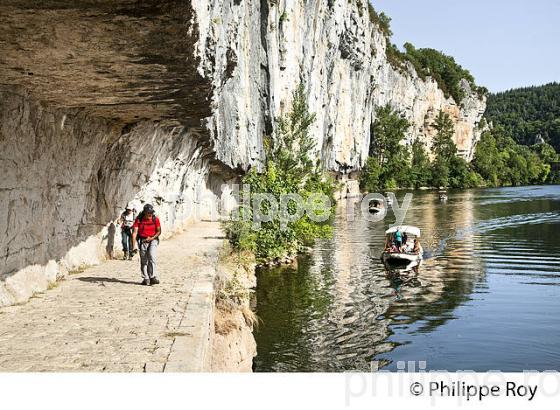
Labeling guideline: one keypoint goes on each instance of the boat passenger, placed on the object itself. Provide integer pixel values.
(388, 243)
(416, 248)
(398, 239)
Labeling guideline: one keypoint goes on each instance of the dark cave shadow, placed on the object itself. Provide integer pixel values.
(95, 279)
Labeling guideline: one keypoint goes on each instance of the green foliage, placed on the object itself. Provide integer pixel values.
(442, 68)
(381, 20)
(369, 179)
(498, 159)
(487, 160)
(392, 165)
(443, 146)
(461, 174)
(527, 113)
(289, 169)
(501, 161)
(445, 151)
(420, 166)
(395, 57)
(283, 17)
(389, 159)
(440, 174)
(546, 152)
(426, 61)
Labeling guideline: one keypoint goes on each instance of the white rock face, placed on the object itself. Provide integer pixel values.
(334, 49)
(67, 178)
(71, 165)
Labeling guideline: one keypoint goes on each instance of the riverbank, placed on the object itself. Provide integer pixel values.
(101, 319)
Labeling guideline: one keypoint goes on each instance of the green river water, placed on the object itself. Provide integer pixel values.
(486, 297)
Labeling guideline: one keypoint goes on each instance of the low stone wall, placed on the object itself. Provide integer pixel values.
(233, 344)
(215, 333)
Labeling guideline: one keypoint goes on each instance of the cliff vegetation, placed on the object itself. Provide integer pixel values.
(498, 160)
(528, 114)
(288, 169)
(427, 62)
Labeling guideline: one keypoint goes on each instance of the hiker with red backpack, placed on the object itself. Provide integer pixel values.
(145, 235)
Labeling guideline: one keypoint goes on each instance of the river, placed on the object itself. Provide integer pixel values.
(486, 297)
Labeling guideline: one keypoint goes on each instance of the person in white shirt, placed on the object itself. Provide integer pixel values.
(126, 221)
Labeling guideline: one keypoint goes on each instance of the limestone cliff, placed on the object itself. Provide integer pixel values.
(104, 102)
(256, 53)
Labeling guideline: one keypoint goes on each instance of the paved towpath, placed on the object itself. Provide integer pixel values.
(102, 319)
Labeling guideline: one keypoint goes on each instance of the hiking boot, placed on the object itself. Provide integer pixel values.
(154, 281)
(146, 282)
(124, 257)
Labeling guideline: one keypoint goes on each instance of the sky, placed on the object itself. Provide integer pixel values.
(504, 43)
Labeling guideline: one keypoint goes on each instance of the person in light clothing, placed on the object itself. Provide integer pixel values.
(126, 221)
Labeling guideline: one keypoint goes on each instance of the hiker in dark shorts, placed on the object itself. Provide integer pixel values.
(145, 235)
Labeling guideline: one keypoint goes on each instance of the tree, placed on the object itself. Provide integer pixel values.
(545, 152)
(288, 169)
(486, 160)
(444, 149)
(388, 130)
(393, 158)
(369, 179)
(420, 165)
(440, 174)
(527, 113)
(443, 145)
(459, 173)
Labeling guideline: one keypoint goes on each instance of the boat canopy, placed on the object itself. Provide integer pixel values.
(412, 230)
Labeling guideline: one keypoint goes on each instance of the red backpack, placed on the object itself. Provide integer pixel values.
(141, 223)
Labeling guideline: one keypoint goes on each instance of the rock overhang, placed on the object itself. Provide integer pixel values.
(122, 60)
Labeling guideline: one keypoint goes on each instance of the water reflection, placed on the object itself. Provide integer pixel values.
(341, 307)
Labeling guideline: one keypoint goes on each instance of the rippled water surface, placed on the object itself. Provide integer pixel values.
(487, 296)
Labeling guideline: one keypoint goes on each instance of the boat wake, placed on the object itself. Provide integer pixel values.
(513, 221)
(487, 226)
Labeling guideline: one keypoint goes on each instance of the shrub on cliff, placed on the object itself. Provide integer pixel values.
(288, 169)
(381, 20)
(443, 68)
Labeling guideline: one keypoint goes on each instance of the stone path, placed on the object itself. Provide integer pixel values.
(102, 319)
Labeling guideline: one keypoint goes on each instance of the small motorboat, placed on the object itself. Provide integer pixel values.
(443, 196)
(406, 255)
(376, 206)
